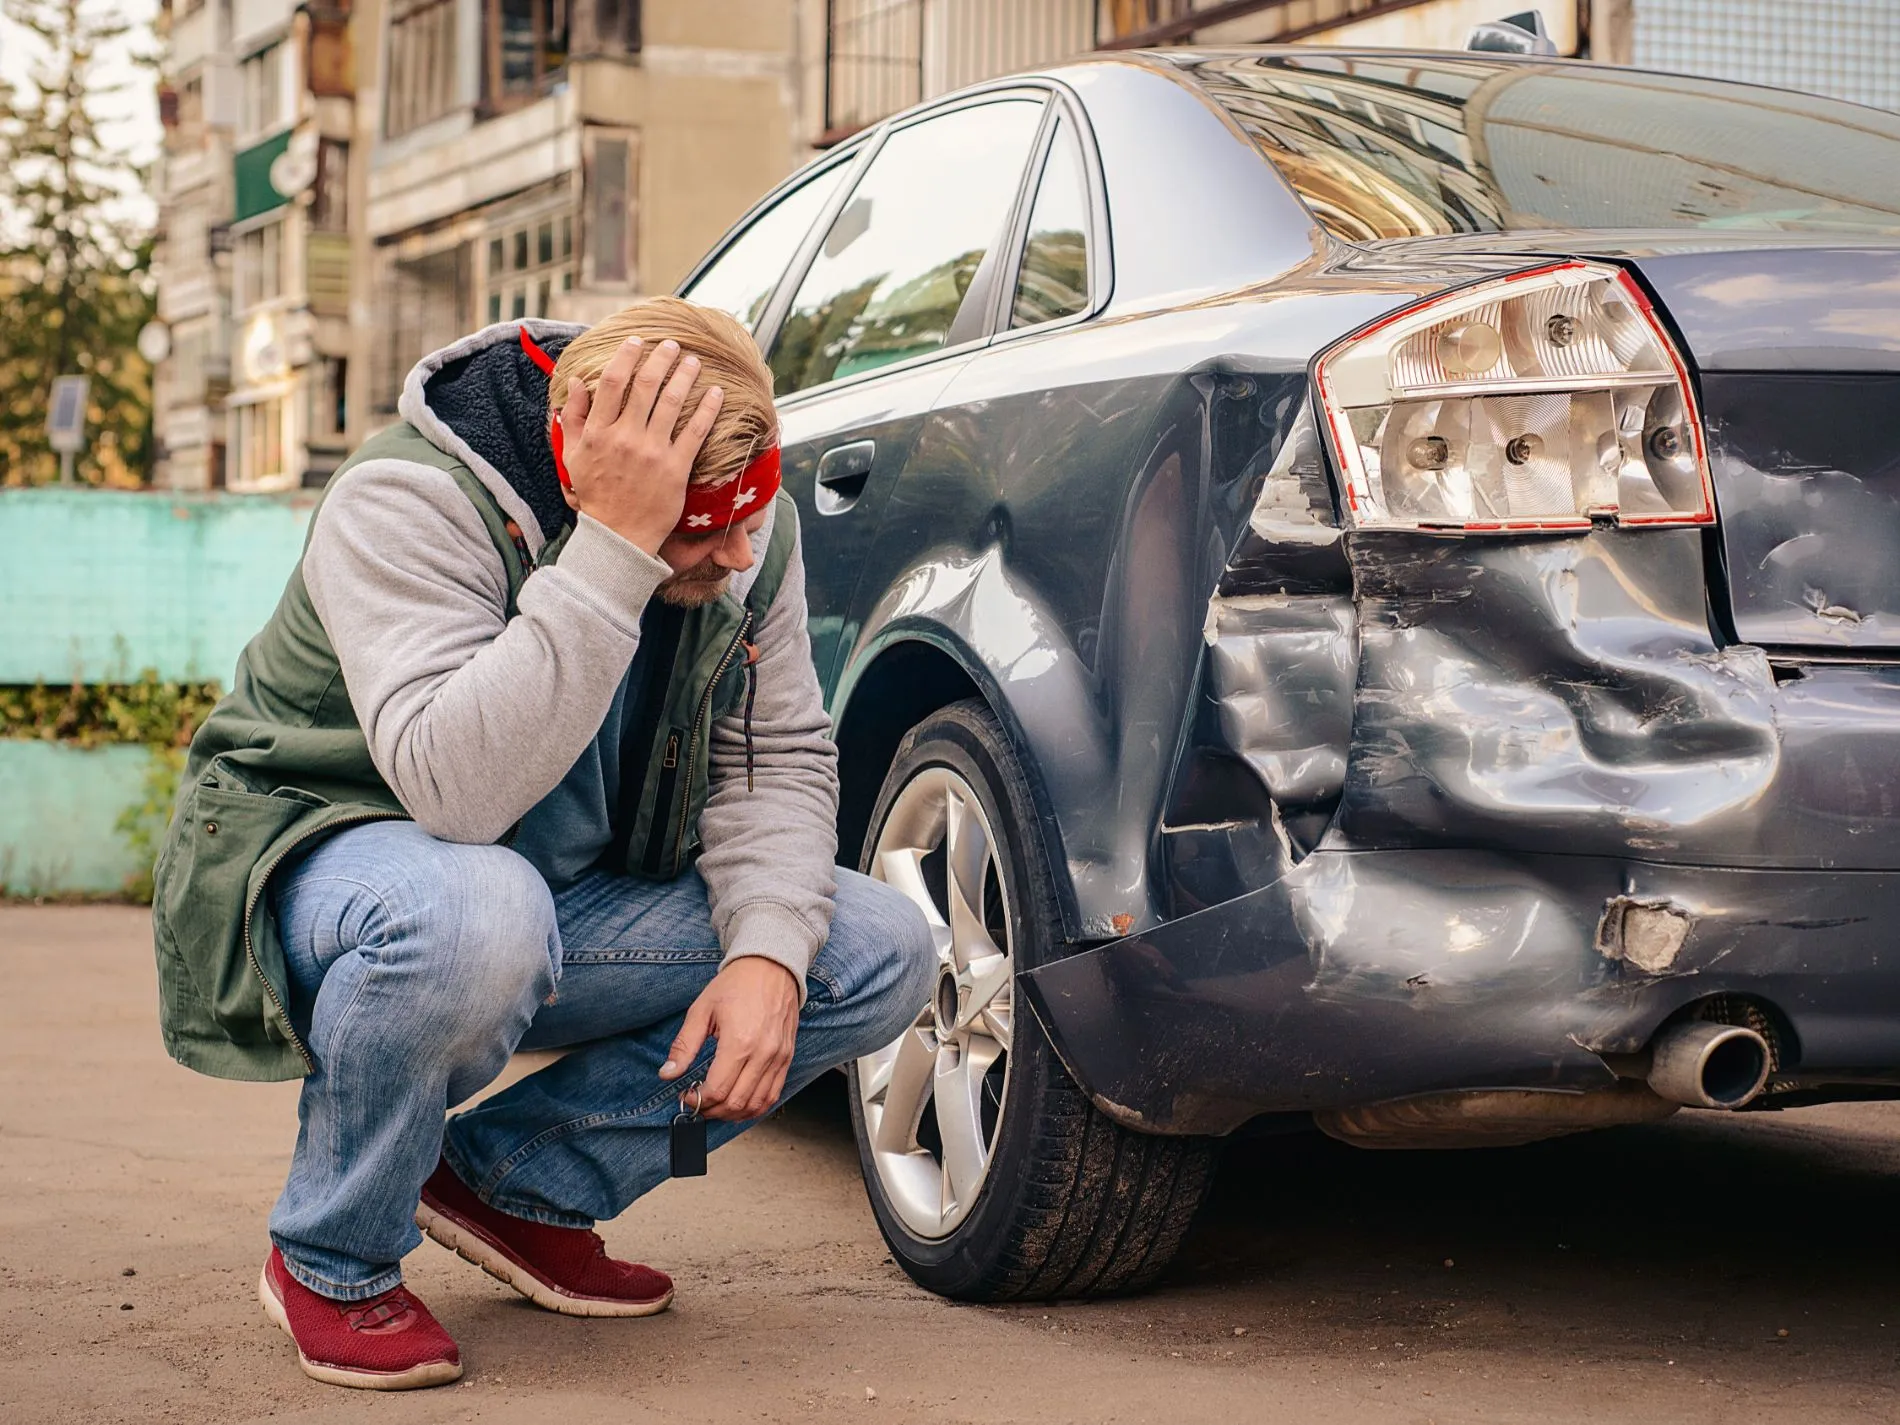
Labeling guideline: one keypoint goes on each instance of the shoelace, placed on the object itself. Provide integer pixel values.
(380, 1312)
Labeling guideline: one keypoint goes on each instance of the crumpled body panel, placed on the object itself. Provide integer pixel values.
(1558, 694)
(1365, 977)
(1566, 695)
(1563, 810)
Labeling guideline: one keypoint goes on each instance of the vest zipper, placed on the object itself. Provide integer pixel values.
(250, 906)
(692, 746)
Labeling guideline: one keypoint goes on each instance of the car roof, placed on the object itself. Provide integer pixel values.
(1182, 59)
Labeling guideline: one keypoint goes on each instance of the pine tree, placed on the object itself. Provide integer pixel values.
(75, 279)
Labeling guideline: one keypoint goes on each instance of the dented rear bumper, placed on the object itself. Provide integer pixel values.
(1363, 976)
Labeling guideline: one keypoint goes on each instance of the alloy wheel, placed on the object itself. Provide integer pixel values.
(933, 1099)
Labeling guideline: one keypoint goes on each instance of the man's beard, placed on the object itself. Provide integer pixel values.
(691, 588)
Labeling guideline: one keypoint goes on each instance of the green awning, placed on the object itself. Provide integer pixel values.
(252, 174)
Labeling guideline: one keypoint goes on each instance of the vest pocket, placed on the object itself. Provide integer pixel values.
(221, 835)
(665, 800)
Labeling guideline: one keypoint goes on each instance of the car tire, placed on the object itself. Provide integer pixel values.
(1070, 1204)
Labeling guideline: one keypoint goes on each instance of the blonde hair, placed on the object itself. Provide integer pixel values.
(728, 359)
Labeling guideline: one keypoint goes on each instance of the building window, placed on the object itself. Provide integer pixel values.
(261, 93)
(329, 411)
(874, 58)
(527, 264)
(330, 199)
(616, 27)
(421, 306)
(1132, 17)
(420, 78)
(885, 55)
(260, 265)
(186, 118)
(525, 49)
(260, 440)
(609, 186)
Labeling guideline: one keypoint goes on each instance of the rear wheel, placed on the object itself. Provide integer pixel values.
(991, 1174)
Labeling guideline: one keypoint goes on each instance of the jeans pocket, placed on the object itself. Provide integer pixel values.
(822, 988)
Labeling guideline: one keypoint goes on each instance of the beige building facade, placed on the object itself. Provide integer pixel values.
(252, 258)
(533, 158)
(349, 184)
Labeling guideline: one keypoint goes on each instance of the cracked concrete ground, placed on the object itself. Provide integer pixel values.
(1638, 1275)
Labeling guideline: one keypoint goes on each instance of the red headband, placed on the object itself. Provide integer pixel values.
(710, 509)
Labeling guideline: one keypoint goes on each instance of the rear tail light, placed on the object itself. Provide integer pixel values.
(1539, 401)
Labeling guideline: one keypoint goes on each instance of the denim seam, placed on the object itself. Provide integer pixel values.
(504, 1166)
(641, 955)
(301, 880)
(382, 906)
(337, 1291)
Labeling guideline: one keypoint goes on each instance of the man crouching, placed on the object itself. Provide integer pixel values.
(531, 755)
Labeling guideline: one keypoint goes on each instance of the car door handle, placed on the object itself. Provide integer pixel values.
(842, 472)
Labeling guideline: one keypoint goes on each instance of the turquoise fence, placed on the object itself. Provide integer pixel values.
(100, 584)
(97, 586)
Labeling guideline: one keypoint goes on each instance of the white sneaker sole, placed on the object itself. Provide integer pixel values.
(472, 1247)
(415, 1378)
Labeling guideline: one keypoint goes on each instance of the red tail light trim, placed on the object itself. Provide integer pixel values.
(1345, 445)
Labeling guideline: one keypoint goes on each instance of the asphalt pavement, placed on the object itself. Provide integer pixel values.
(1728, 1270)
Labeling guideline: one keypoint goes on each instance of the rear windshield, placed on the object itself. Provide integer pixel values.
(1409, 146)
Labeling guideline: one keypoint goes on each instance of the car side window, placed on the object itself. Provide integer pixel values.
(1054, 278)
(742, 279)
(894, 268)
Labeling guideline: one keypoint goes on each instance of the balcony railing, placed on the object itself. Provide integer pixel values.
(885, 55)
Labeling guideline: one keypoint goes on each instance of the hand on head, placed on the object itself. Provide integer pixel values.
(628, 468)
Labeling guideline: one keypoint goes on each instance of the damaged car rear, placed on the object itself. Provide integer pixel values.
(1351, 585)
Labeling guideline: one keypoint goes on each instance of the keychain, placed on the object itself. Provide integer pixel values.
(688, 1138)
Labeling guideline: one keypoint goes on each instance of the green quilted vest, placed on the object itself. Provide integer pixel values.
(282, 761)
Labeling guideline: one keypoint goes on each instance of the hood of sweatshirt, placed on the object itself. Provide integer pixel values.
(483, 401)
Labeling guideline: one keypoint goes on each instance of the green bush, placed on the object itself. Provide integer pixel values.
(158, 715)
(155, 713)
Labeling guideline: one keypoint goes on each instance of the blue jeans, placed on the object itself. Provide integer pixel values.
(418, 966)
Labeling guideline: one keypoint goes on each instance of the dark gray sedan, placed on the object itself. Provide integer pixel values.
(1354, 587)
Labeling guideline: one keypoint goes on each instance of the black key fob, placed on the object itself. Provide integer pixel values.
(687, 1142)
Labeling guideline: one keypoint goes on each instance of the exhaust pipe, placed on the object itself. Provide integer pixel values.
(1707, 1065)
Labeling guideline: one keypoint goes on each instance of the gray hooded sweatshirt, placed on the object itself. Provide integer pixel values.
(478, 721)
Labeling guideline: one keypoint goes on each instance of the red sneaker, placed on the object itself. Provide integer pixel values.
(564, 1269)
(389, 1342)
